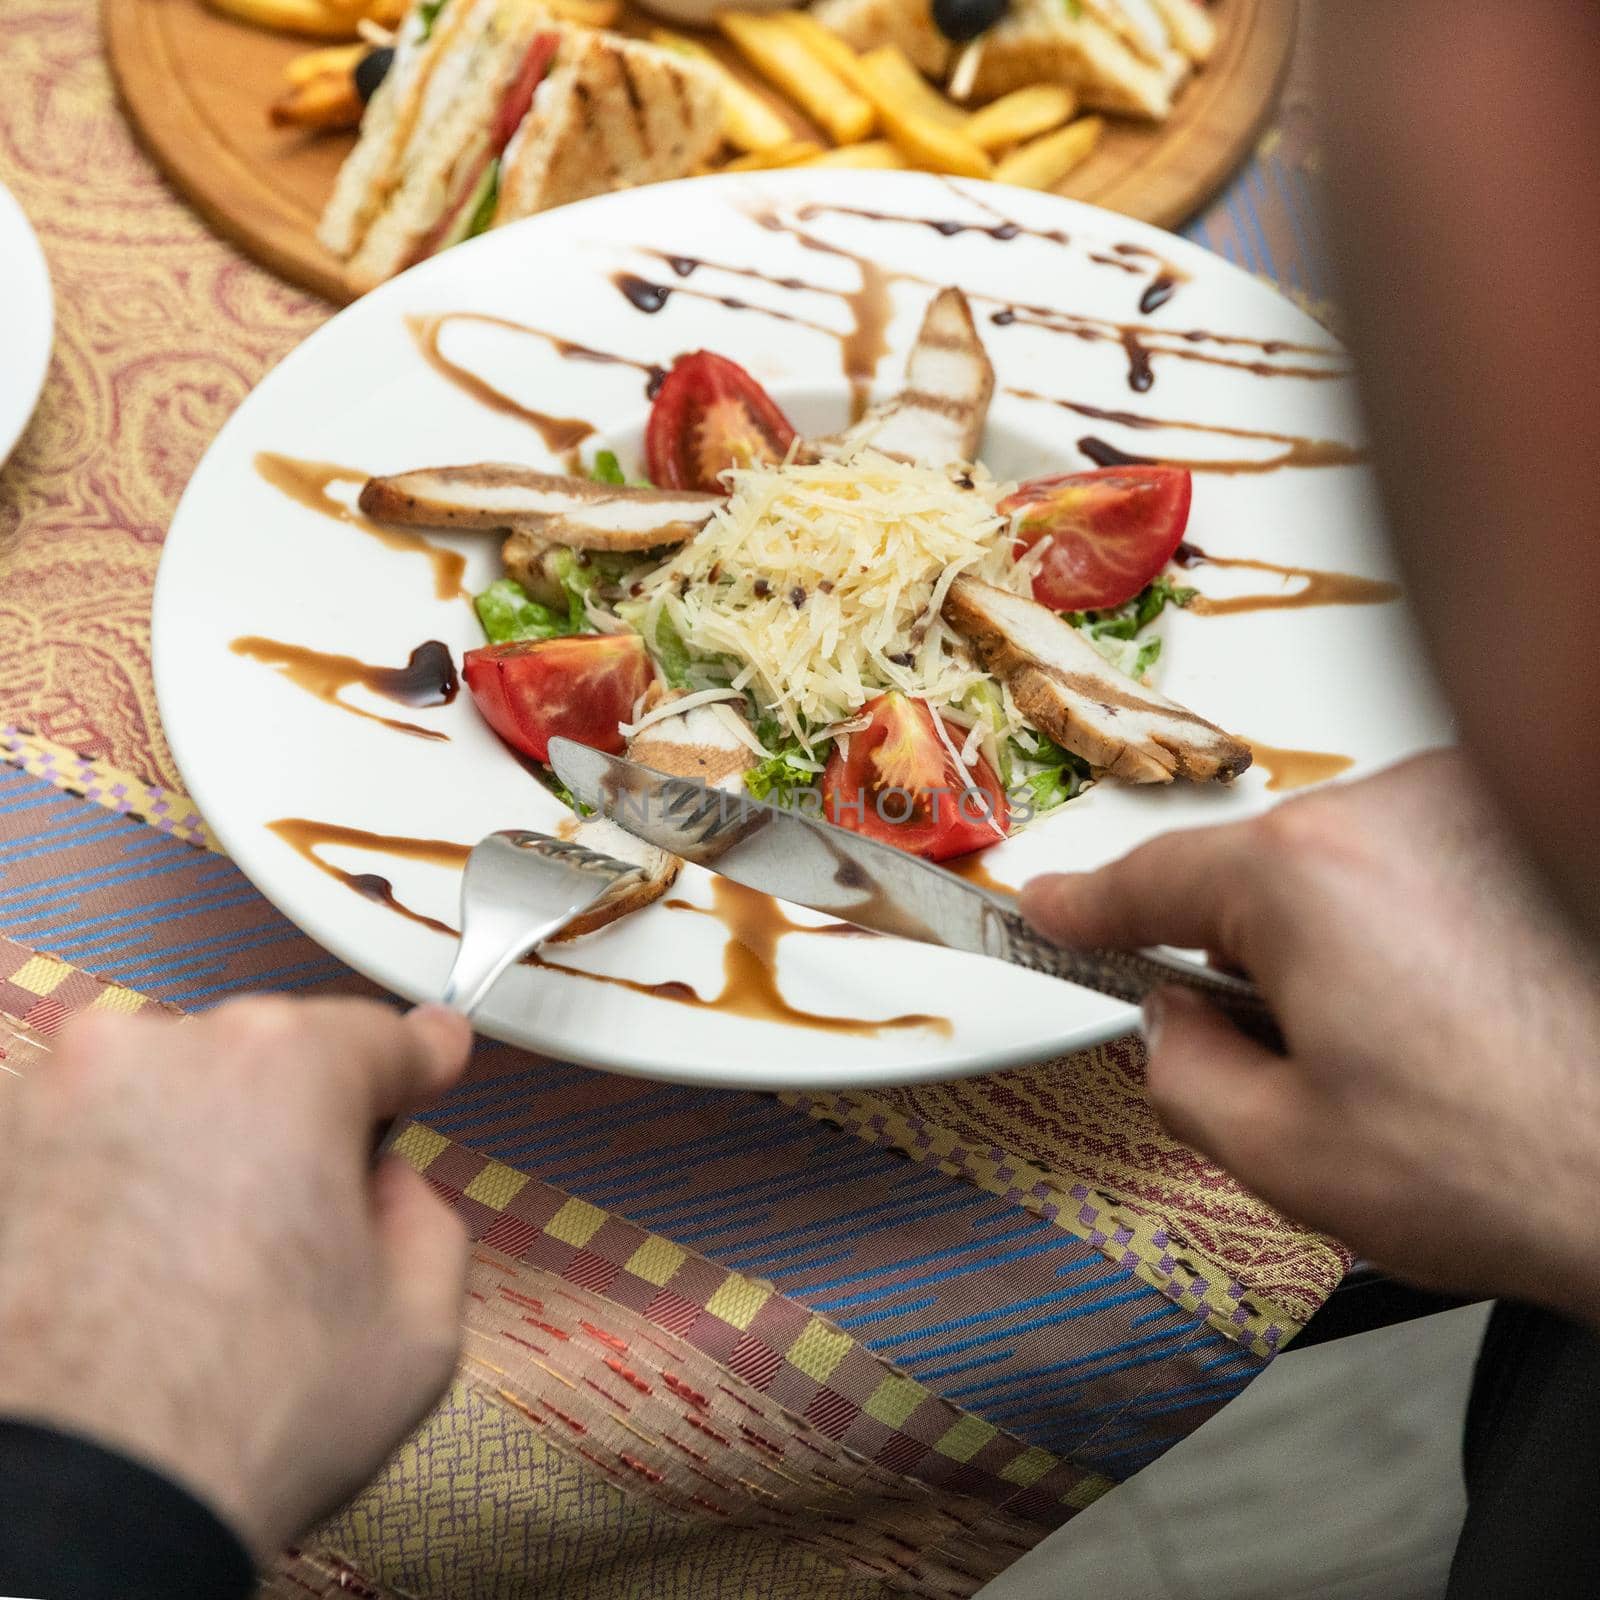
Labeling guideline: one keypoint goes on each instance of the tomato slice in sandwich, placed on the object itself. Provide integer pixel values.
(710, 414)
(1109, 532)
(900, 784)
(519, 97)
(478, 186)
(531, 691)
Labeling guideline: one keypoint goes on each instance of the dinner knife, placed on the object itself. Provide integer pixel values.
(810, 862)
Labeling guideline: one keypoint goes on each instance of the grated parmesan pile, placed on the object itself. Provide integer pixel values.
(824, 583)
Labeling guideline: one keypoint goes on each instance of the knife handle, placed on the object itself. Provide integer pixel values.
(1131, 974)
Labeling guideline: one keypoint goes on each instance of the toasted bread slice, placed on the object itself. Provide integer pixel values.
(937, 419)
(373, 170)
(613, 113)
(427, 136)
(1190, 26)
(1068, 690)
(550, 506)
(1141, 27)
(1038, 41)
(906, 24)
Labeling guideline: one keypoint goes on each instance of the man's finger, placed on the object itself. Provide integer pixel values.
(1230, 1098)
(402, 1062)
(1174, 890)
(424, 1247)
(386, 1062)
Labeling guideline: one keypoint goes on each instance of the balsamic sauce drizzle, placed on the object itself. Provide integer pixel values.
(1298, 451)
(308, 484)
(1319, 588)
(1163, 283)
(754, 924)
(644, 295)
(560, 434)
(1143, 341)
(427, 679)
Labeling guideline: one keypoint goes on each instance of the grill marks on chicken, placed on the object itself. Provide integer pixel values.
(1065, 688)
(937, 419)
(552, 507)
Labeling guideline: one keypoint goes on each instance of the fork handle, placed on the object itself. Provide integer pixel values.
(1131, 974)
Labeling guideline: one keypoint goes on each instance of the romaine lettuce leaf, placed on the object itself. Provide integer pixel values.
(427, 15)
(1050, 777)
(488, 203)
(676, 662)
(508, 612)
(1114, 632)
(776, 779)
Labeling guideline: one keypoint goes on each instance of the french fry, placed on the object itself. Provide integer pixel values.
(326, 102)
(783, 61)
(309, 17)
(925, 142)
(588, 13)
(873, 153)
(793, 154)
(1043, 163)
(748, 122)
(890, 67)
(316, 63)
(827, 47)
(1019, 116)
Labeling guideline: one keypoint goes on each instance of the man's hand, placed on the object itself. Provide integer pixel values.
(198, 1264)
(1440, 1106)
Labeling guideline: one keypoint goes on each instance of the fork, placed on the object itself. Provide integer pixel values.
(517, 890)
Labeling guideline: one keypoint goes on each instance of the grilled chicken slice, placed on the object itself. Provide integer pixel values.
(657, 866)
(550, 506)
(696, 744)
(938, 418)
(1068, 690)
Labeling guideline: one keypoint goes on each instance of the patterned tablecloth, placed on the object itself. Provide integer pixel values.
(816, 1345)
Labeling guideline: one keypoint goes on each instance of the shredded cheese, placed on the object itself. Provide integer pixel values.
(734, 722)
(675, 707)
(824, 581)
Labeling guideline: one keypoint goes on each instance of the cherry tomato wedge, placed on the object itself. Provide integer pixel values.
(1110, 531)
(533, 690)
(900, 785)
(710, 414)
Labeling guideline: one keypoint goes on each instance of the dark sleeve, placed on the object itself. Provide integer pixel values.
(1532, 1461)
(81, 1522)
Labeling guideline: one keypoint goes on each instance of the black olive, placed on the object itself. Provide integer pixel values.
(372, 69)
(961, 20)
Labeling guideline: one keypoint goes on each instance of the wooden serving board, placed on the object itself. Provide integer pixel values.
(197, 86)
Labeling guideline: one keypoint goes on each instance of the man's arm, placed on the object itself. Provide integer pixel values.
(202, 1274)
(1464, 143)
(81, 1522)
(1439, 1107)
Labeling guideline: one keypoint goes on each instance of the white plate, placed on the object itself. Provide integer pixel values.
(27, 322)
(243, 559)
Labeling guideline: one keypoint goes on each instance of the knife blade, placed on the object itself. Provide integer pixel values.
(810, 862)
